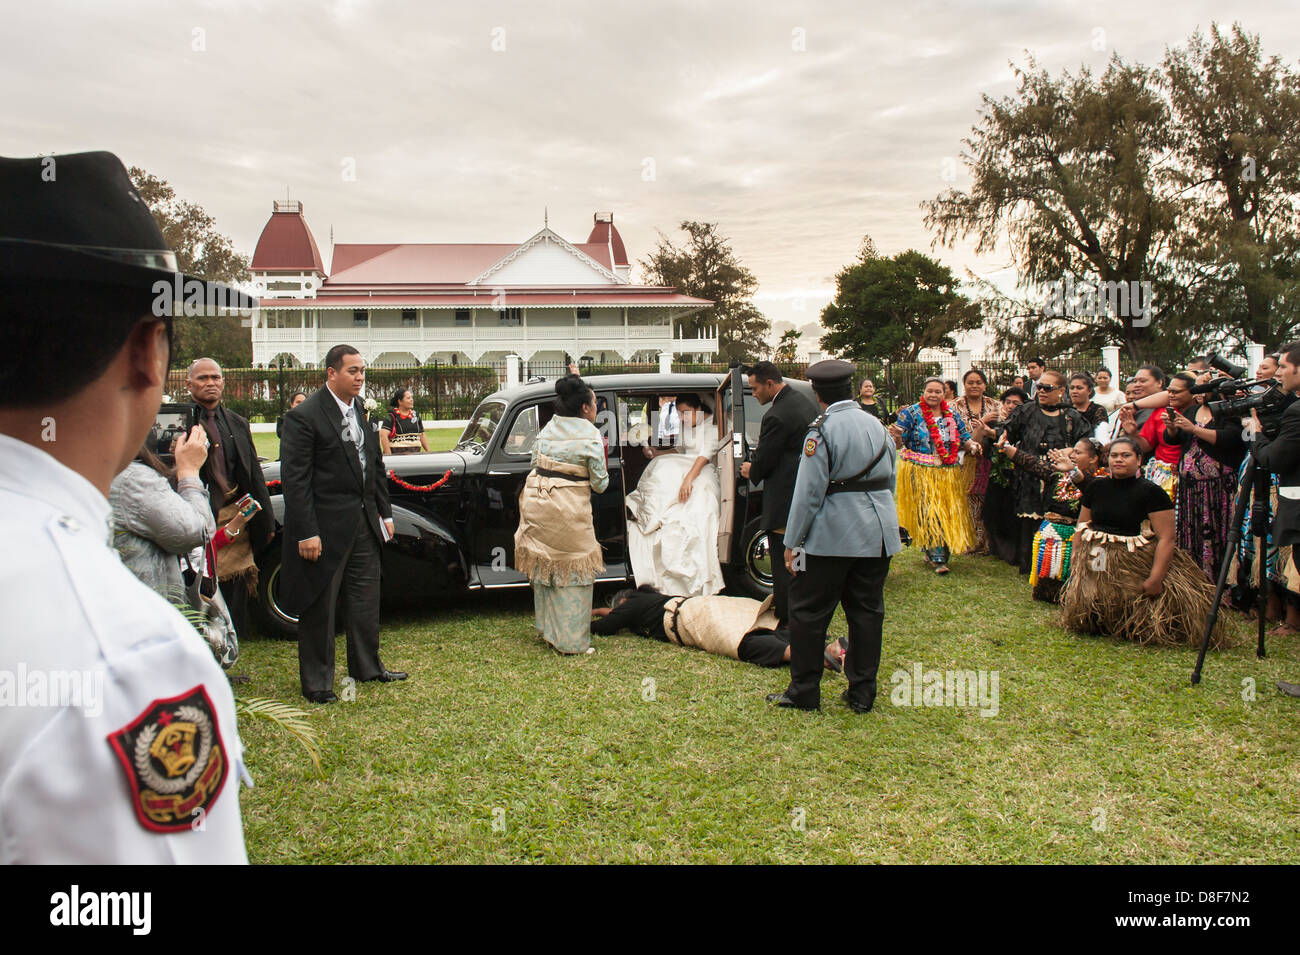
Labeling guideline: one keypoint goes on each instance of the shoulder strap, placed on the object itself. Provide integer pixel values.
(884, 448)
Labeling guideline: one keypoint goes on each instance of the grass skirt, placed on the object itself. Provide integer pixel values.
(1049, 567)
(932, 505)
(1104, 593)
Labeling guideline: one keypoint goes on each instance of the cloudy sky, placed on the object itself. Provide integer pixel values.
(798, 127)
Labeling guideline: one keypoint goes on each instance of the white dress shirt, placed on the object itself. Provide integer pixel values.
(74, 615)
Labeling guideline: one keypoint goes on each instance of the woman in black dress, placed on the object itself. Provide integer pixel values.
(868, 403)
(1042, 425)
(1126, 581)
(1082, 390)
(998, 513)
(402, 431)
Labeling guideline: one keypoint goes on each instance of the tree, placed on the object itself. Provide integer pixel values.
(202, 251)
(787, 349)
(1237, 132)
(894, 307)
(706, 267)
(1070, 172)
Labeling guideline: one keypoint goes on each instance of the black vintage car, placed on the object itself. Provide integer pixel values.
(459, 536)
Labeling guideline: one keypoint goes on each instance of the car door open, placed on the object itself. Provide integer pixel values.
(730, 404)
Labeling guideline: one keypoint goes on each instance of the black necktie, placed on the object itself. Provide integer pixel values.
(215, 452)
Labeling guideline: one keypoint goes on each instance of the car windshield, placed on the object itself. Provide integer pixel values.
(481, 426)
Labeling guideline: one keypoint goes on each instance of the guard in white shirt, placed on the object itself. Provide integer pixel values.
(118, 741)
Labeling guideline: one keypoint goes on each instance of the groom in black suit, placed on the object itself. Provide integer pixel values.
(336, 519)
(775, 462)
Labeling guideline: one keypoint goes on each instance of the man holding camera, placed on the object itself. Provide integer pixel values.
(234, 464)
(1281, 456)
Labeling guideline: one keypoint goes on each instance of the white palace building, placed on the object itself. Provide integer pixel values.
(408, 304)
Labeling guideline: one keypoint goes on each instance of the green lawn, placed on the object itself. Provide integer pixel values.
(440, 439)
(1100, 751)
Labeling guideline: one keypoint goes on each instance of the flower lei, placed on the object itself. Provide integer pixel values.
(947, 453)
(392, 476)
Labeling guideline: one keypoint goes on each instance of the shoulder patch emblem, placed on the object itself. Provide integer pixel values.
(810, 447)
(174, 760)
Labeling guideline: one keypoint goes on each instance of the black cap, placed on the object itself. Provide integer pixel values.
(78, 216)
(831, 371)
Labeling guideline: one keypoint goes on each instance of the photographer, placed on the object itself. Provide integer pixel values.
(1210, 455)
(1280, 455)
(163, 530)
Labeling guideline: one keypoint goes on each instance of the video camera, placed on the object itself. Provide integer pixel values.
(1238, 396)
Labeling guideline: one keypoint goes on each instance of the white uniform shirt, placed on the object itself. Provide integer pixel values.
(86, 652)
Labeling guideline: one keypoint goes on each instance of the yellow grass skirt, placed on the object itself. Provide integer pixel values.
(932, 505)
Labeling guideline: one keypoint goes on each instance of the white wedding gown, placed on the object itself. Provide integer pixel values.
(674, 546)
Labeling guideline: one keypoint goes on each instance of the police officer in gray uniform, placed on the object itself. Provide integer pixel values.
(841, 533)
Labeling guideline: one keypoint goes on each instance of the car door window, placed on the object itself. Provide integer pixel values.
(754, 418)
(523, 434)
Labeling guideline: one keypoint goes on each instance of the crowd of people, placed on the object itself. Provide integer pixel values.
(1117, 507)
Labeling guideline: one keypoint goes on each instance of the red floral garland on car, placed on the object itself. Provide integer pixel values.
(947, 453)
(392, 476)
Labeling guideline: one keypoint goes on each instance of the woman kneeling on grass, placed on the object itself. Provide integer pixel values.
(1123, 585)
(555, 544)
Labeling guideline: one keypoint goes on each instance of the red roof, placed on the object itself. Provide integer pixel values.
(426, 263)
(631, 296)
(604, 235)
(286, 245)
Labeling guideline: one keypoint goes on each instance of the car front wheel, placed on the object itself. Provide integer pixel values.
(751, 574)
(273, 619)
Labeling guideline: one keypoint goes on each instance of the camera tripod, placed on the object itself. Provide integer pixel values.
(1256, 480)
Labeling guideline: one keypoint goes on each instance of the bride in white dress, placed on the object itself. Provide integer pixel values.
(673, 542)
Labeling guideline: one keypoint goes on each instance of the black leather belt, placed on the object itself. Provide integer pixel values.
(673, 635)
(875, 484)
(547, 472)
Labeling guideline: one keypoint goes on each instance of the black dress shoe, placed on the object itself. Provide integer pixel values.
(1290, 689)
(780, 699)
(387, 676)
(856, 707)
(321, 696)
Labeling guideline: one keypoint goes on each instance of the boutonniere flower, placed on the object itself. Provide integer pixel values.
(370, 405)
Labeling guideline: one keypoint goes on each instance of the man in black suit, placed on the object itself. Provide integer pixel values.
(1282, 454)
(336, 519)
(775, 462)
(1282, 457)
(233, 471)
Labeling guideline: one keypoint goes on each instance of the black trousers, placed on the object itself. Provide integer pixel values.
(857, 583)
(235, 593)
(780, 577)
(357, 578)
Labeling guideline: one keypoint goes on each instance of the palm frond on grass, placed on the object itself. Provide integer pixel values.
(288, 718)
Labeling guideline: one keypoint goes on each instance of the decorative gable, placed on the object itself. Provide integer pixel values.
(547, 259)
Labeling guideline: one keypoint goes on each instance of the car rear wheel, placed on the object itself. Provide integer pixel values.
(751, 574)
(272, 619)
